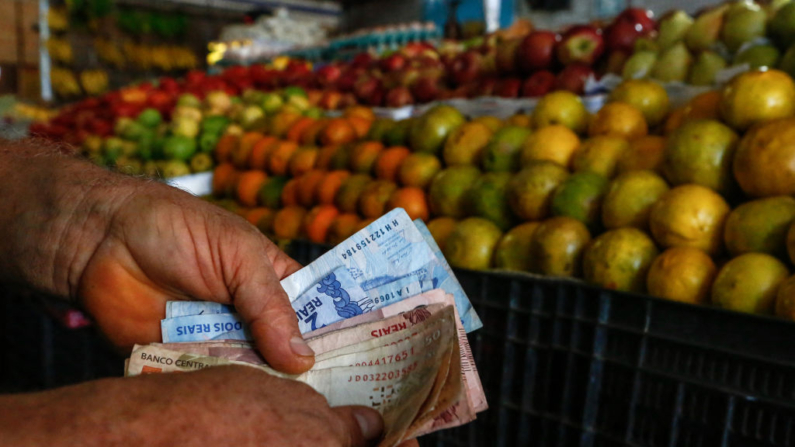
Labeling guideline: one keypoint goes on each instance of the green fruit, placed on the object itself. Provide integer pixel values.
(207, 142)
(673, 28)
(145, 144)
(429, 132)
(782, 26)
(705, 30)
(379, 129)
(112, 149)
(188, 100)
(744, 21)
(706, 67)
(398, 134)
(760, 226)
(252, 97)
(150, 118)
(489, 199)
(619, 260)
(749, 283)
(580, 197)
(294, 91)
(179, 147)
(270, 194)
(448, 194)
(214, 125)
(758, 56)
(175, 168)
(301, 103)
(557, 247)
(673, 64)
(201, 162)
(249, 116)
(701, 152)
(185, 127)
(471, 245)
(314, 112)
(787, 62)
(504, 150)
(530, 191)
(271, 103)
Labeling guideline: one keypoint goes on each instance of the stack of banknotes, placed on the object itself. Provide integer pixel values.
(387, 320)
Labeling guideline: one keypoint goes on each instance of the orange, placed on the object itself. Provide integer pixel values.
(412, 200)
(689, 216)
(325, 155)
(488, 198)
(327, 188)
(471, 245)
(258, 157)
(764, 163)
(318, 221)
(644, 153)
(495, 124)
(554, 143)
(298, 128)
(343, 227)
(701, 152)
(290, 193)
(341, 158)
(561, 107)
(225, 146)
(629, 199)
(757, 96)
(600, 155)
(520, 120)
(360, 112)
(248, 187)
(449, 191)
(265, 221)
(619, 260)
(255, 214)
(418, 170)
(703, 107)
(231, 186)
(303, 160)
(760, 226)
(281, 123)
(557, 247)
(530, 191)
(279, 157)
(363, 156)
(222, 177)
(287, 223)
(372, 202)
(619, 119)
(749, 283)
(465, 144)
(337, 131)
(311, 133)
(683, 274)
(441, 228)
(388, 162)
(348, 193)
(513, 250)
(785, 299)
(360, 125)
(363, 224)
(674, 120)
(307, 185)
(646, 95)
(243, 149)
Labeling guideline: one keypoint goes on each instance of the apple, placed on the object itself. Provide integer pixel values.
(330, 100)
(539, 84)
(573, 77)
(483, 87)
(426, 89)
(507, 53)
(615, 62)
(537, 51)
(621, 36)
(362, 60)
(414, 49)
(643, 18)
(399, 97)
(393, 62)
(467, 67)
(408, 76)
(508, 87)
(581, 44)
(328, 75)
(365, 87)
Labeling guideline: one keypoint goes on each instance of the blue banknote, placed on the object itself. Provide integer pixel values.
(186, 308)
(204, 328)
(336, 297)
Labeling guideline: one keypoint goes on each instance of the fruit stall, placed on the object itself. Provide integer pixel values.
(615, 197)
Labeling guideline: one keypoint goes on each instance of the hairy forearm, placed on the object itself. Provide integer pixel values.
(49, 221)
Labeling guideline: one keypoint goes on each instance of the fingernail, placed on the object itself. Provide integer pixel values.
(371, 428)
(299, 346)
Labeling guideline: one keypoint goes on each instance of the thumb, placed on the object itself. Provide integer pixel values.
(362, 425)
(262, 302)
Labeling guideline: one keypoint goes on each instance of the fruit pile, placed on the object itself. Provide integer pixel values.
(692, 205)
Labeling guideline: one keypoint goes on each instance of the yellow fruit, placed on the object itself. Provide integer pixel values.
(441, 228)
(619, 119)
(647, 96)
(749, 283)
(689, 216)
(760, 226)
(682, 274)
(471, 245)
(530, 191)
(492, 122)
(520, 120)
(629, 199)
(600, 155)
(644, 153)
(513, 250)
(785, 299)
(791, 243)
(555, 143)
(465, 144)
(764, 164)
(561, 107)
(701, 152)
(557, 247)
(620, 260)
(757, 96)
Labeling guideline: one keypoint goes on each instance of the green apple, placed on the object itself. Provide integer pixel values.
(673, 28)
(673, 65)
(639, 66)
(707, 65)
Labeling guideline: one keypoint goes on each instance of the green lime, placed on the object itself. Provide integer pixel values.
(207, 142)
(214, 125)
(179, 147)
(150, 118)
(294, 91)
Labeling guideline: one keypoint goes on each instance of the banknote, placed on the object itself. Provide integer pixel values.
(335, 297)
(239, 352)
(187, 308)
(203, 328)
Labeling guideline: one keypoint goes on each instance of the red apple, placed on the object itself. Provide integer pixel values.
(467, 67)
(627, 27)
(537, 51)
(639, 16)
(581, 43)
(362, 60)
(573, 77)
(507, 55)
(426, 89)
(393, 62)
(539, 84)
(399, 97)
(328, 75)
(414, 49)
(408, 76)
(483, 87)
(508, 87)
(365, 87)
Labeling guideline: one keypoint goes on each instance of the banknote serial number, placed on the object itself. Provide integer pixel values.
(371, 238)
(383, 376)
(386, 360)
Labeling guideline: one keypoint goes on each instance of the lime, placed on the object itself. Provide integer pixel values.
(179, 147)
(150, 118)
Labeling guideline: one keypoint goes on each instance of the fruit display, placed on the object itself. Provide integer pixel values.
(689, 204)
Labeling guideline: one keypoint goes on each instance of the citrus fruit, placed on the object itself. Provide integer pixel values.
(281, 122)
(347, 196)
(492, 122)
(318, 221)
(757, 96)
(418, 170)
(689, 216)
(341, 159)
(225, 147)
(600, 155)
(302, 161)
(337, 131)
(298, 128)
(412, 200)
(705, 106)
(555, 143)
(287, 224)
(270, 193)
(557, 247)
(429, 131)
(749, 283)
(379, 129)
(785, 299)
(465, 144)
(360, 125)
(618, 119)
(760, 226)
(683, 274)
(620, 260)
(178, 147)
(471, 245)
(520, 119)
(372, 202)
(646, 95)
(629, 199)
(398, 135)
(279, 156)
(701, 152)
(791, 243)
(513, 250)
(289, 195)
(644, 153)
(343, 227)
(530, 191)
(674, 120)
(324, 156)
(561, 107)
(363, 156)
(307, 186)
(311, 134)
(764, 164)
(441, 228)
(488, 198)
(222, 177)
(448, 193)
(580, 197)
(388, 162)
(503, 152)
(260, 152)
(248, 186)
